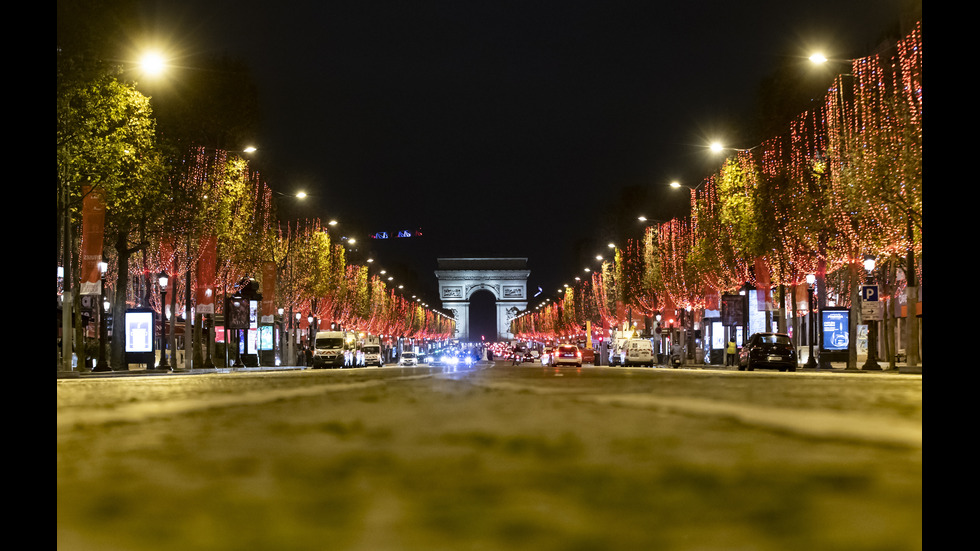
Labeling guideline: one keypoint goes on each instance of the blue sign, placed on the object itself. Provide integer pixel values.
(869, 293)
(835, 329)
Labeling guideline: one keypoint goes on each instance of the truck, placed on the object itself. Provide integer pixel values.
(330, 347)
(638, 352)
(371, 351)
(617, 348)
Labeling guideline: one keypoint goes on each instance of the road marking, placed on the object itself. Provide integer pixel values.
(141, 411)
(851, 425)
(821, 423)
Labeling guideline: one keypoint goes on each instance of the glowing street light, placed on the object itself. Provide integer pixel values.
(718, 147)
(153, 64)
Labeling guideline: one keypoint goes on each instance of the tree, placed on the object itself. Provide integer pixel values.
(105, 139)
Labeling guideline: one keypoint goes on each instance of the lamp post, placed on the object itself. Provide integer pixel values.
(811, 362)
(296, 338)
(871, 363)
(694, 189)
(102, 365)
(280, 343)
(163, 280)
(208, 341)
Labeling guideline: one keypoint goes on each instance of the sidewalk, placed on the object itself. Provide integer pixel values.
(901, 368)
(179, 371)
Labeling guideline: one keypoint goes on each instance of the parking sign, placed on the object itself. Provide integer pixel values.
(869, 293)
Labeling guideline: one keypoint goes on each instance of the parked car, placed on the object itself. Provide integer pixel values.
(588, 355)
(408, 358)
(568, 354)
(769, 350)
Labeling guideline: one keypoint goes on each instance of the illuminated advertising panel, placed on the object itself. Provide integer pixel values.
(139, 331)
(265, 337)
(253, 341)
(717, 335)
(834, 322)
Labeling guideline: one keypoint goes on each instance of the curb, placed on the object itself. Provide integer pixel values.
(901, 369)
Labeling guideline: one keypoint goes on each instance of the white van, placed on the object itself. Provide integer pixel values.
(372, 354)
(638, 352)
(329, 348)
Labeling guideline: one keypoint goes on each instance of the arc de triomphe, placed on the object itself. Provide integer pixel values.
(506, 278)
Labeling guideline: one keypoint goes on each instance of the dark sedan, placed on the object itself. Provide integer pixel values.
(768, 350)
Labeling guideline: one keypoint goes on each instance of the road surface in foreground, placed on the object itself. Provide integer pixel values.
(497, 457)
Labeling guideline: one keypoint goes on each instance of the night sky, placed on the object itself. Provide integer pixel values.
(505, 128)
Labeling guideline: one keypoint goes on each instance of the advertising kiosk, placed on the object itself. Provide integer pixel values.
(834, 335)
(140, 332)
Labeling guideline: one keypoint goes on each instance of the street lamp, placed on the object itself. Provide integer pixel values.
(811, 362)
(871, 364)
(152, 63)
(163, 280)
(280, 343)
(694, 189)
(717, 147)
(102, 365)
(208, 339)
(295, 338)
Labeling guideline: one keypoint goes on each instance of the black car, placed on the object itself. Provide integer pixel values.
(768, 350)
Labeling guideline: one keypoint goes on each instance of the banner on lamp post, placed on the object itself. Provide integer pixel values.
(763, 286)
(93, 227)
(268, 292)
(205, 275)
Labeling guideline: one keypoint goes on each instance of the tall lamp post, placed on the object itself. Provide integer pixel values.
(280, 342)
(163, 280)
(811, 362)
(694, 190)
(102, 365)
(296, 336)
(208, 341)
(871, 364)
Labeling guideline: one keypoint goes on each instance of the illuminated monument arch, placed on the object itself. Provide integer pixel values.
(505, 278)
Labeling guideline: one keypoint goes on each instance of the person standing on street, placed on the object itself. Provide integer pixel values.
(730, 352)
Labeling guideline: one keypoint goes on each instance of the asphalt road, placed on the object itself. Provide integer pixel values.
(497, 457)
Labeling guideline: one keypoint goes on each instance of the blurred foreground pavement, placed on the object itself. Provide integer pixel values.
(498, 457)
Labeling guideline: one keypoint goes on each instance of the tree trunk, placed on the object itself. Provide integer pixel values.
(117, 351)
(782, 308)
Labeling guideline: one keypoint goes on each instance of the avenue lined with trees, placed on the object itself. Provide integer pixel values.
(843, 183)
(146, 191)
